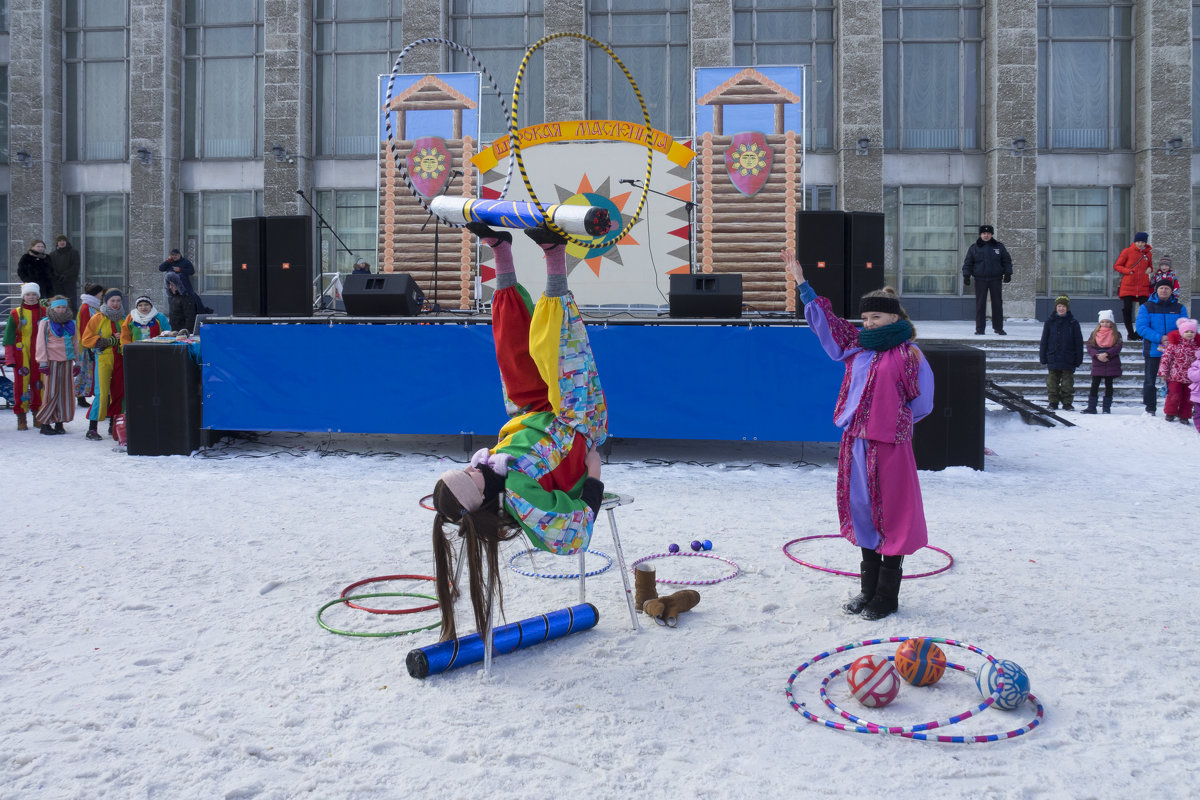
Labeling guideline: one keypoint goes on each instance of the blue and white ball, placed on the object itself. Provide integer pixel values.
(1016, 684)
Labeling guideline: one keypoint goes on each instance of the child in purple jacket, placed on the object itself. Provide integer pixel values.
(1104, 346)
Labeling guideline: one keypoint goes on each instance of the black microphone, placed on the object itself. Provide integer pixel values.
(300, 192)
(456, 173)
(630, 181)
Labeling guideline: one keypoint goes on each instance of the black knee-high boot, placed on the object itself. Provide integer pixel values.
(887, 591)
(868, 578)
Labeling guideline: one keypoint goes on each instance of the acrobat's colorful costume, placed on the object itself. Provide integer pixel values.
(556, 414)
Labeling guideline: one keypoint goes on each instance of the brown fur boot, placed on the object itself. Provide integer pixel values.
(666, 610)
(22, 422)
(644, 586)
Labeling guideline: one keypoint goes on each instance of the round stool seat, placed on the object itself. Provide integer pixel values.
(612, 500)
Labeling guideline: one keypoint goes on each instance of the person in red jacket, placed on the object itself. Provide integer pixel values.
(1135, 264)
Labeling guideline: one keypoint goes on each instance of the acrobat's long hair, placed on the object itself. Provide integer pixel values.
(483, 530)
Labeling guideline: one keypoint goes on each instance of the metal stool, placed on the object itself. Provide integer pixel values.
(609, 503)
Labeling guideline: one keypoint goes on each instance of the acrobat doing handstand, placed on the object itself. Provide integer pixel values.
(542, 478)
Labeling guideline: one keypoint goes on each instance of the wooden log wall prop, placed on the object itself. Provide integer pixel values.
(740, 233)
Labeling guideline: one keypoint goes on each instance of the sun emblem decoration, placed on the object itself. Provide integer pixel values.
(748, 159)
(428, 163)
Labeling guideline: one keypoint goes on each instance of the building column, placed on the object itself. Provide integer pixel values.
(1009, 102)
(711, 23)
(1162, 66)
(35, 125)
(566, 62)
(155, 70)
(288, 93)
(425, 18)
(860, 110)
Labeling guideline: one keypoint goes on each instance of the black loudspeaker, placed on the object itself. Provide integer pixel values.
(249, 279)
(821, 251)
(287, 261)
(717, 294)
(864, 256)
(952, 434)
(388, 294)
(162, 399)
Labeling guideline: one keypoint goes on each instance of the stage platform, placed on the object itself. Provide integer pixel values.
(762, 378)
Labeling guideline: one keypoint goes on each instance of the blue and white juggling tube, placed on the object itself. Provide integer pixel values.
(443, 656)
(575, 220)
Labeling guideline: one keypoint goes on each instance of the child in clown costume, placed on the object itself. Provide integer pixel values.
(143, 322)
(542, 478)
(56, 348)
(85, 366)
(888, 386)
(20, 333)
(103, 336)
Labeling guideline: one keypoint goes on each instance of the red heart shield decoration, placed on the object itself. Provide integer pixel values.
(429, 165)
(748, 161)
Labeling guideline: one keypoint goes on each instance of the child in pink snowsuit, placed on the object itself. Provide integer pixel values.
(1177, 356)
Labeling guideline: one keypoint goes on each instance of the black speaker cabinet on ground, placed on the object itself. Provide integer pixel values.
(162, 399)
(388, 294)
(287, 260)
(864, 256)
(821, 251)
(717, 294)
(952, 434)
(249, 279)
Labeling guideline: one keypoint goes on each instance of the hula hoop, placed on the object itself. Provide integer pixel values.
(387, 115)
(909, 731)
(381, 579)
(553, 575)
(819, 568)
(736, 569)
(425, 505)
(340, 632)
(515, 144)
(914, 734)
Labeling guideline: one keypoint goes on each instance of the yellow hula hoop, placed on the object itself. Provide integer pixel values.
(515, 144)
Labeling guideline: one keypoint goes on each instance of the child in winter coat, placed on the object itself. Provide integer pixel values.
(181, 306)
(1104, 346)
(57, 348)
(85, 374)
(1177, 358)
(1062, 353)
(103, 336)
(1194, 377)
(143, 322)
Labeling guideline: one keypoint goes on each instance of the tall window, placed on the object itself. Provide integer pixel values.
(498, 32)
(783, 32)
(820, 198)
(355, 217)
(96, 78)
(96, 224)
(927, 231)
(931, 66)
(222, 78)
(355, 41)
(1085, 79)
(208, 238)
(1079, 230)
(3, 113)
(651, 39)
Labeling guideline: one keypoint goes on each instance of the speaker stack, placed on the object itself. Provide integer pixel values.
(716, 294)
(272, 266)
(952, 434)
(842, 256)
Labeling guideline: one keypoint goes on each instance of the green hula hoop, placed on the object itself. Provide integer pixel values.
(515, 144)
(321, 611)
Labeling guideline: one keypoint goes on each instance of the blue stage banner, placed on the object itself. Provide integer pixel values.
(766, 383)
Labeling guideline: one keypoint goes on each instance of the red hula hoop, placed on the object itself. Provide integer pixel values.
(949, 558)
(350, 590)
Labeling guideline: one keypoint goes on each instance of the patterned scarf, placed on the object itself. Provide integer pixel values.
(886, 337)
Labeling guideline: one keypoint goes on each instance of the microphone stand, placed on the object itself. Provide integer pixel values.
(688, 204)
(322, 221)
(437, 227)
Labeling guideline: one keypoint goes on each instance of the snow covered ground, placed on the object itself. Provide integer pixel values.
(159, 636)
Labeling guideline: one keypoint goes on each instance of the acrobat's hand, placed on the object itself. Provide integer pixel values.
(792, 265)
(594, 463)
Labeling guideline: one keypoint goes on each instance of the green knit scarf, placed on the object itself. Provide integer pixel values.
(887, 337)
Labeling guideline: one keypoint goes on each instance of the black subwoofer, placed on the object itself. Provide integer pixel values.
(388, 294)
(163, 404)
(716, 294)
(952, 434)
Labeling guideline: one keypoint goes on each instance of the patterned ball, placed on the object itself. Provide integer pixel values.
(873, 681)
(696, 545)
(1016, 684)
(674, 548)
(920, 662)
